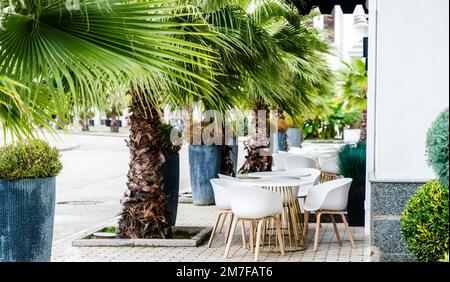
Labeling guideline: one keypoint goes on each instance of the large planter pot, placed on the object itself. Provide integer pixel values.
(234, 157)
(204, 165)
(294, 137)
(352, 135)
(355, 206)
(281, 141)
(27, 209)
(171, 173)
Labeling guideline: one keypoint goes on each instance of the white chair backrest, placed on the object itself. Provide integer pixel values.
(331, 195)
(278, 161)
(222, 192)
(297, 161)
(328, 163)
(255, 202)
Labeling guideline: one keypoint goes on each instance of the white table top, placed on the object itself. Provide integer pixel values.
(296, 173)
(277, 182)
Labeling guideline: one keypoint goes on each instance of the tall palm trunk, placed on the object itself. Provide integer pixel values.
(254, 160)
(85, 123)
(144, 212)
(363, 136)
(114, 121)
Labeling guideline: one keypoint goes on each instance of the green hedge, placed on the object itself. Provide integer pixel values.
(424, 223)
(437, 147)
(29, 159)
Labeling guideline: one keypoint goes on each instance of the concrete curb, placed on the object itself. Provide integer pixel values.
(68, 147)
(202, 234)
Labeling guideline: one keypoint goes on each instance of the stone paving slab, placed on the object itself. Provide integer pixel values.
(190, 215)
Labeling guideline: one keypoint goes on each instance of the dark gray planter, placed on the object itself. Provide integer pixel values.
(171, 173)
(204, 165)
(294, 137)
(27, 209)
(234, 157)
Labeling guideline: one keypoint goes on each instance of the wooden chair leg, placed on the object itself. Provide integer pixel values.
(211, 238)
(230, 239)
(258, 238)
(244, 237)
(348, 230)
(279, 234)
(252, 237)
(316, 235)
(223, 222)
(229, 227)
(305, 223)
(336, 231)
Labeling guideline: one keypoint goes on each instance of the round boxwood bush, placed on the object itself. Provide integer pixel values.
(437, 147)
(29, 159)
(424, 223)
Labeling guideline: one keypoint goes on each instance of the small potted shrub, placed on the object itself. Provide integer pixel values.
(352, 164)
(437, 147)
(424, 223)
(27, 200)
(170, 171)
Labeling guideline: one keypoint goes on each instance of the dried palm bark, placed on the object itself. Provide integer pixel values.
(144, 212)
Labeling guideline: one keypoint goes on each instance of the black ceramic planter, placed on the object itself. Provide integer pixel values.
(204, 165)
(355, 206)
(171, 173)
(27, 209)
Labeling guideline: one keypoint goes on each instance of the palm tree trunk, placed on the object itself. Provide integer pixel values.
(85, 123)
(114, 122)
(144, 212)
(363, 136)
(254, 161)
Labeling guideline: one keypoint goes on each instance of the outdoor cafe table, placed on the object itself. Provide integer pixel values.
(292, 220)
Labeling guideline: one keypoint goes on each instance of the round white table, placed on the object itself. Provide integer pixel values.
(293, 173)
(292, 219)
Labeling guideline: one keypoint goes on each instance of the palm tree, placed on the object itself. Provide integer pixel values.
(82, 55)
(20, 113)
(303, 75)
(354, 90)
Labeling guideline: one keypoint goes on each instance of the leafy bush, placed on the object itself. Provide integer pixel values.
(424, 223)
(437, 147)
(352, 162)
(29, 159)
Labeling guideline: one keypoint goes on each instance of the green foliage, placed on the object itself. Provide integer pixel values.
(424, 223)
(437, 147)
(110, 229)
(29, 159)
(445, 258)
(354, 85)
(352, 162)
(329, 125)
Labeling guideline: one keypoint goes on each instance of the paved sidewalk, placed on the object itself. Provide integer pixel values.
(190, 215)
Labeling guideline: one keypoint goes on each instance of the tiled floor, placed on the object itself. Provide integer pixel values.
(189, 215)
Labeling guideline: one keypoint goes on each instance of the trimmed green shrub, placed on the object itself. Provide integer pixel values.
(437, 147)
(352, 162)
(424, 223)
(29, 159)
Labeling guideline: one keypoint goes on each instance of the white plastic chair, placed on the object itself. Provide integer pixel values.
(328, 163)
(298, 161)
(312, 179)
(223, 176)
(328, 198)
(257, 206)
(223, 202)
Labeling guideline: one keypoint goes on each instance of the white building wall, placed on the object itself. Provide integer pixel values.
(411, 84)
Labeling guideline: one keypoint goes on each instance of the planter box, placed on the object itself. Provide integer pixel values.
(352, 135)
(199, 235)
